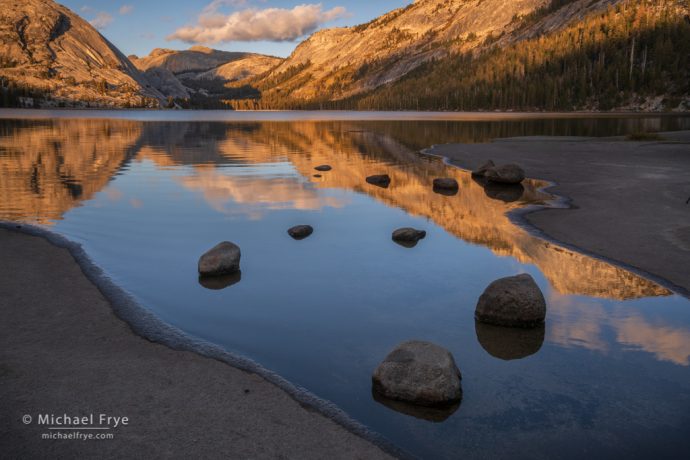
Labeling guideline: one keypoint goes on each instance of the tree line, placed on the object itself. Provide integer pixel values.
(631, 51)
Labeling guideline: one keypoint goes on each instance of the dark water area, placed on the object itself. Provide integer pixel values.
(608, 375)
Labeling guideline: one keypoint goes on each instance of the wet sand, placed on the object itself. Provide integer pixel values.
(64, 351)
(629, 201)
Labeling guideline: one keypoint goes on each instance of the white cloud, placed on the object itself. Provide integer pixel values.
(274, 24)
(102, 20)
(126, 9)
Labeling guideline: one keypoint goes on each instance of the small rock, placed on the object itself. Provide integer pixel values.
(515, 301)
(446, 182)
(420, 373)
(223, 259)
(323, 168)
(506, 174)
(446, 186)
(300, 232)
(408, 237)
(382, 180)
(481, 171)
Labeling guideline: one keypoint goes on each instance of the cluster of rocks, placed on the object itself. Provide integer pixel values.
(418, 374)
(424, 374)
(442, 185)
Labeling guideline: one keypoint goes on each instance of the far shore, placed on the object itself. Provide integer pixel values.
(310, 115)
(629, 200)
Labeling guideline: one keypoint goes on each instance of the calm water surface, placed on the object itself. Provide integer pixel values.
(609, 374)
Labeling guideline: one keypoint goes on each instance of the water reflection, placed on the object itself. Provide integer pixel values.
(430, 414)
(50, 167)
(254, 194)
(322, 313)
(46, 168)
(218, 283)
(578, 322)
(509, 343)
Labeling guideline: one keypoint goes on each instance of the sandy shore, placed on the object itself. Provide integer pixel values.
(64, 351)
(629, 200)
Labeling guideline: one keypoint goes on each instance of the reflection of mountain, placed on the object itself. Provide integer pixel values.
(356, 153)
(47, 168)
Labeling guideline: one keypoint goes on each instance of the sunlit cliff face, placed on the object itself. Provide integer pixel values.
(47, 169)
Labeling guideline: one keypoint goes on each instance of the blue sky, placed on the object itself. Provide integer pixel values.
(263, 26)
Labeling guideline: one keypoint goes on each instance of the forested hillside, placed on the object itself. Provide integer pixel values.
(635, 54)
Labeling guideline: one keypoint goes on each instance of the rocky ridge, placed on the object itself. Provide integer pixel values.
(48, 49)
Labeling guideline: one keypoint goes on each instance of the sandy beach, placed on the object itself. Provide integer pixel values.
(613, 186)
(64, 352)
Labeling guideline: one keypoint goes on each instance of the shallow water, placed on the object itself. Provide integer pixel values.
(609, 374)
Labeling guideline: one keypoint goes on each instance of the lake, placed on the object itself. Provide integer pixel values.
(146, 193)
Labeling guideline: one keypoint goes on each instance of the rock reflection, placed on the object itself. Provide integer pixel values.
(431, 414)
(508, 343)
(218, 283)
(504, 192)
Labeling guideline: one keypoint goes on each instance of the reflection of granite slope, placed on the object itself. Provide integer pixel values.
(66, 161)
(356, 153)
(47, 168)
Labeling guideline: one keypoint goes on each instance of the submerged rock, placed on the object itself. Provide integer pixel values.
(381, 180)
(408, 237)
(446, 186)
(300, 232)
(508, 343)
(505, 174)
(323, 168)
(223, 259)
(420, 373)
(481, 171)
(515, 301)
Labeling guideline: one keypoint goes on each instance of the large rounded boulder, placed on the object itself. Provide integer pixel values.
(223, 259)
(505, 174)
(420, 373)
(515, 301)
